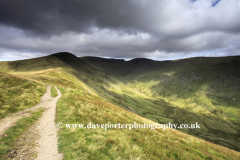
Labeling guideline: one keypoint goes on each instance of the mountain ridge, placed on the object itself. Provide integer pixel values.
(201, 89)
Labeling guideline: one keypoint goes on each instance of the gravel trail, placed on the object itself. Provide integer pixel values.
(10, 120)
(48, 142)
(41, 137)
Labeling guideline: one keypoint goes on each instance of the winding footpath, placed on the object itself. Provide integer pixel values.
(47, 145)
(10, 120)
(48, 142)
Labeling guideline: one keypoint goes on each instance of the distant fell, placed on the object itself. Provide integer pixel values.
(200, 89)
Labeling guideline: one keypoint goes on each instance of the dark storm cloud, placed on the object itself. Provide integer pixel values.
(57, 16)
(118, 28)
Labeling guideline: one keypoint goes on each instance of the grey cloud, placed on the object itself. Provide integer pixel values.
(154, 17)
(58, 16)
(119, 28)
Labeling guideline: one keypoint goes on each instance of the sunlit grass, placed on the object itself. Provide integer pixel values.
(17, 94)
(92, 91)
(80, 107)
(53, 92)
(12, 134)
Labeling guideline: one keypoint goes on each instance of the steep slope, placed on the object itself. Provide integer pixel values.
(79, 107)
(196, 89)
(189, 90)
(168, 91)
(18, 93)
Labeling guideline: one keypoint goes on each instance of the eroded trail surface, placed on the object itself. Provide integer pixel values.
(9, 121)
(40, 140)
(48, 142)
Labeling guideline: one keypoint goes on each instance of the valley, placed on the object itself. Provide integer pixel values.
(99, 90)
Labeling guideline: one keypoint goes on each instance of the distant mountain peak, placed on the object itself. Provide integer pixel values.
(63, 54)
(141, 59)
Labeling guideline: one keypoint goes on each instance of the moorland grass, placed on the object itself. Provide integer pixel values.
(53, 92)
(17, 93)
(188, 87)
(12, 134)
(78, 107)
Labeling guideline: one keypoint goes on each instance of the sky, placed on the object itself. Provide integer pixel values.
(126, 29)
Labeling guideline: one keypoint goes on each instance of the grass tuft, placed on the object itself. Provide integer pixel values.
(10, 136)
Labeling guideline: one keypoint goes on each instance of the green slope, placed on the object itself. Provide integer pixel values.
(17, 93)
(200, 89)
(190, 90)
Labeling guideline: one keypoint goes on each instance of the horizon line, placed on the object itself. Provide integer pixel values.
(125, 59)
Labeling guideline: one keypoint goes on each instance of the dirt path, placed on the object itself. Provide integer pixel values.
(40, 140)
(9, 121)
(48, 142)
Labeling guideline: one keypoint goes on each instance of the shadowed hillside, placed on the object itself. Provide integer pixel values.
(198, 89)
(203, 90)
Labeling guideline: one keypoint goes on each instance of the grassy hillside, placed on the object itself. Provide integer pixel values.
(189, 91)
(77, 107)
(8, 141)
(18, 93)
